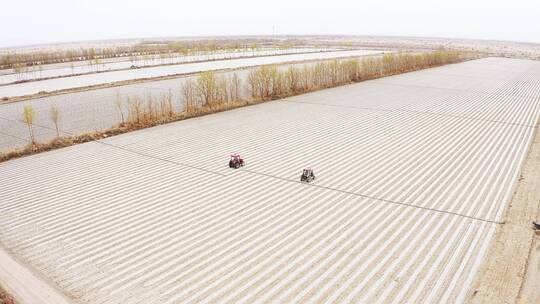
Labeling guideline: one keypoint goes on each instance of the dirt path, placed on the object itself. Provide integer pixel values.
(530, 291)
(24, 285)
(511, 267)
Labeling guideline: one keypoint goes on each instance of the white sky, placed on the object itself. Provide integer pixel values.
(41, 21)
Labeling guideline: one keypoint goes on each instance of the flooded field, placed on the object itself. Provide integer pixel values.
(50, 85)
(84, 67)
(91, 110)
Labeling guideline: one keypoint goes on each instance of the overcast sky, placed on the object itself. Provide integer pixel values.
(25, 22)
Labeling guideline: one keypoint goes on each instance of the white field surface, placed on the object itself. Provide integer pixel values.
(48, 85)
(413, 174)
(8, 76)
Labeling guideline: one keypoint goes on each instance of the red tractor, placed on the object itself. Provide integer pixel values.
(307, 175)
(236, 161)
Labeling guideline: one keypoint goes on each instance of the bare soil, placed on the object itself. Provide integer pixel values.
(511, 269)
(530, 290)
(5, 298)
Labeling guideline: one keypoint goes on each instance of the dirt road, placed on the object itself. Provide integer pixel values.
(512, 265)
(24, 285)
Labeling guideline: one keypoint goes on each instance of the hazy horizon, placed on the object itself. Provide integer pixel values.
(63, 21)
(249, 36)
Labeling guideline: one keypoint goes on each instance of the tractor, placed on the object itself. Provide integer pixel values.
(307, 175)
(236, 161)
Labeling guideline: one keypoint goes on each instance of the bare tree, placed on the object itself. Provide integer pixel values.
(207, 87)
(55, 117)
(234, 87)
(28, 118)
(135, 110)
(170, 108)
(119, 107)
(222, 93)
(253, 83)
(188, 95)
(292, 79)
